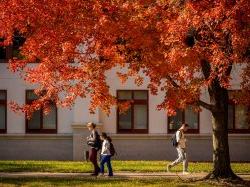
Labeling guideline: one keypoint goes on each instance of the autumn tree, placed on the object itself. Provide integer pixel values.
(183, 46)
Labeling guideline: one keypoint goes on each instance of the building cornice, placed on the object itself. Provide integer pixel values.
(84, 125)
(169, 136)
(69, 136)
(36, 136)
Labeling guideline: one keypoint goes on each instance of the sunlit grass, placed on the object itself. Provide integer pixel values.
(131, 166)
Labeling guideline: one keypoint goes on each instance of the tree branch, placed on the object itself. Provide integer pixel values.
(172, 81)
(206, 105)
(206, 68)
(199, 102)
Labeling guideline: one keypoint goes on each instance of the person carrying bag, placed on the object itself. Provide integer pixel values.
(94, 142)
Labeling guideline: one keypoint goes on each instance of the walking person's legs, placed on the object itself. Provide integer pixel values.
(93, 159)
(180, 158)
(185, 163)
(103, 161)
(109, 165)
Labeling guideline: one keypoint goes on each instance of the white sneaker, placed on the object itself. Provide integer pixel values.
(169, 168)
(185, 173)
(101, 175)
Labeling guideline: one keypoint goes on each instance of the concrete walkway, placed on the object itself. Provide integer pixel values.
(116, 175)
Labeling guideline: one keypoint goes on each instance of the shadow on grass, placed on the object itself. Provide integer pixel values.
(13, 167)
(44, 166)
(93, 182)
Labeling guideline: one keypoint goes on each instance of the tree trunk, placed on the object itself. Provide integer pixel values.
(221, 158)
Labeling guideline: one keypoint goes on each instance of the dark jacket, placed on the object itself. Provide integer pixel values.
(92, 139)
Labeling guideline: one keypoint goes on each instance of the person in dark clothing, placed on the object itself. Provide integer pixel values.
(93, 141)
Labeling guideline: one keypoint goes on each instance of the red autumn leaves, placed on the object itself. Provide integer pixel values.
(167, 40)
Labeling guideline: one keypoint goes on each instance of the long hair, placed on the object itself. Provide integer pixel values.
(109, 139)
(104, 135)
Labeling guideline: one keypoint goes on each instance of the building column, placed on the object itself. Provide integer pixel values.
(80, 131)
(80, 147)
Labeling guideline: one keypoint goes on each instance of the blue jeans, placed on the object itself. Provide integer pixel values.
(106, 159)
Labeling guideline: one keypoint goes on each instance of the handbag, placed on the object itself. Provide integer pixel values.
(91, 143)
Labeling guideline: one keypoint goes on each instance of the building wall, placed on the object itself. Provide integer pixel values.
(79, 113)
(158, 120)
(16, 89)
(69, 142)
(16, 144)
(36, 147)
(160, 148)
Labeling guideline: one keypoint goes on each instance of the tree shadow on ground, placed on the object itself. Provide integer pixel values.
(103, 181)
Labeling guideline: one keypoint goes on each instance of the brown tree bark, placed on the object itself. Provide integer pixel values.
(221, 157)
(219, 108)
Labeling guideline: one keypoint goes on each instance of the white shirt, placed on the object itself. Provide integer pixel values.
(105, 147)
(180, 138)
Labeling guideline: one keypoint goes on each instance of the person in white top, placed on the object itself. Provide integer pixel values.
(106, 155)
(181, 149)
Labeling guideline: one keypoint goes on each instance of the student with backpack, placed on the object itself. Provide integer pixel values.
(106, 153)
(94, 142)
(179, 141)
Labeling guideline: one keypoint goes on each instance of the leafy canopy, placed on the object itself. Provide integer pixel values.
(181, 45)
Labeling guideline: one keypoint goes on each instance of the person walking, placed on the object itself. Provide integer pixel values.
(94, 142)
(106, 154)
(179, 141)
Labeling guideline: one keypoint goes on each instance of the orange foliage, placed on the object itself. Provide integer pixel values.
(167, 40)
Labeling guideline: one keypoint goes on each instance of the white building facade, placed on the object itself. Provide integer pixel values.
(143, 133)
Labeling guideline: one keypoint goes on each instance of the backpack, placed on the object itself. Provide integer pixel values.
(112, 149)
(174, 140)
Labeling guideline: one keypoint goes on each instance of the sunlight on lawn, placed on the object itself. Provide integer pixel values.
(132, 166)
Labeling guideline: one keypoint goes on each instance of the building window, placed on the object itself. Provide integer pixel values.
(134, 120)
(8, 52)
(5, 54)
(39, 122)
(3, 111)
(238, 117)
(2, 51)
(18, 41)
(184, 116)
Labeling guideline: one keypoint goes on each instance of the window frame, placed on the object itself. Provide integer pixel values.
(189, 131)
(234, 130)
(135, 102)
(8, 54)
(40, 130)
(9, 50)
(4, 102)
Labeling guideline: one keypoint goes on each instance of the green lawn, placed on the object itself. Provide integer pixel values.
(132, 166)
(104, 182)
